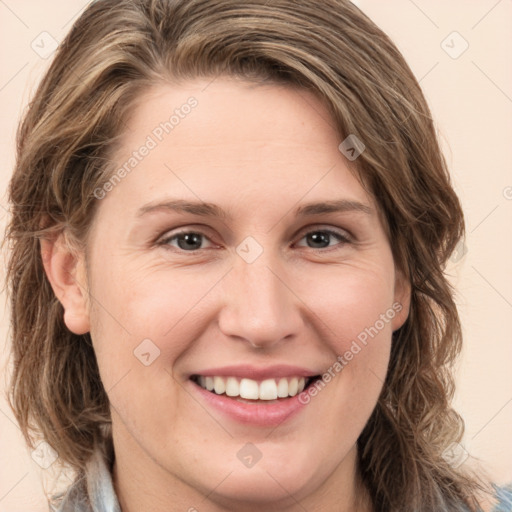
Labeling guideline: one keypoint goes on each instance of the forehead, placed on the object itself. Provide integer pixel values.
(227, 110)
(247, 144)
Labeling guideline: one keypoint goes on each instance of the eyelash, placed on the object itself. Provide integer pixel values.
(343, 239)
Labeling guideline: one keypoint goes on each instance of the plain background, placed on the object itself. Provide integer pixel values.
(470, 94)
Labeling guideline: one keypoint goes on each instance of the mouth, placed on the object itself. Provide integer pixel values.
(270, 390)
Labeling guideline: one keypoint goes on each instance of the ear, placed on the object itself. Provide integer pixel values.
(65, 269)
(402, 300)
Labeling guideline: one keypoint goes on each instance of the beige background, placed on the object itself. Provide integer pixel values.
(471, 98)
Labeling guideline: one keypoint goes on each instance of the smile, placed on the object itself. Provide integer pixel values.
(249, 389)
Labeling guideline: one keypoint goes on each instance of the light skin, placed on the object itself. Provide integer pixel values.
(259, 153)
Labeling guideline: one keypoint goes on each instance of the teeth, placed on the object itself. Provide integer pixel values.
(209, 383)
(219, 385)
(282, 388)
(232, 387)
(293, 386)
(269, 389)
(249, 389)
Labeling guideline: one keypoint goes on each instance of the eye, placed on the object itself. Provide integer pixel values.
(321, 238)
(192, 241)
(185, 240)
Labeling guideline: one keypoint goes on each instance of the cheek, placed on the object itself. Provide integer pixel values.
(352, 300)
(142, 321)
(355, 309)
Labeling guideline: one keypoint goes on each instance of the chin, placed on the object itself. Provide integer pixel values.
(260, 488)
(268, 482)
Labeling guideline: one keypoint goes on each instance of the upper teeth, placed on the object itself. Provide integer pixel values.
(269, 389)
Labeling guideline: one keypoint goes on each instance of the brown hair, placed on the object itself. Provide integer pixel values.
(118, 48)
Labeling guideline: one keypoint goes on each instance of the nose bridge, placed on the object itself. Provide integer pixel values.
(258, 305)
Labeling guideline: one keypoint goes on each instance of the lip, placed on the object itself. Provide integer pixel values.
(255, 373)
(259, 415)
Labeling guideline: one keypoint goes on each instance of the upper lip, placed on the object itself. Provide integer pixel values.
(255, 373)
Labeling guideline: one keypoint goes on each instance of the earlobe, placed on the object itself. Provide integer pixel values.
(65, 269)
(402, 300)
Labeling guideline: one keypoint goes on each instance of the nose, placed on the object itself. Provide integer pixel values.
(260, 306)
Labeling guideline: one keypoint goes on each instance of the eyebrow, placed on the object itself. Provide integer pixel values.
(205, 209)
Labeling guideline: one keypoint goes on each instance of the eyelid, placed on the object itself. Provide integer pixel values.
(343, 233)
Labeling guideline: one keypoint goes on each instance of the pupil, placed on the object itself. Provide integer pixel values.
(191, 241)
(319, 238)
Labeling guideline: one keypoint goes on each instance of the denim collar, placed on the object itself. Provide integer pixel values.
(93, 492)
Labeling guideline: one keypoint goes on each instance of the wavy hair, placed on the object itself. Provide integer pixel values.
(116, 50)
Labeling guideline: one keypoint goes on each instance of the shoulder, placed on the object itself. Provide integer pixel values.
(499, 499)
(504, 499)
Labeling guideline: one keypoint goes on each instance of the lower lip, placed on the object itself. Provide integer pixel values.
(258, 414)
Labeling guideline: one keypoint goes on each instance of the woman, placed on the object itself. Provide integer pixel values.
(230, 223)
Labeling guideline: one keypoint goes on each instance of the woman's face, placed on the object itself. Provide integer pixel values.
(209, 265)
